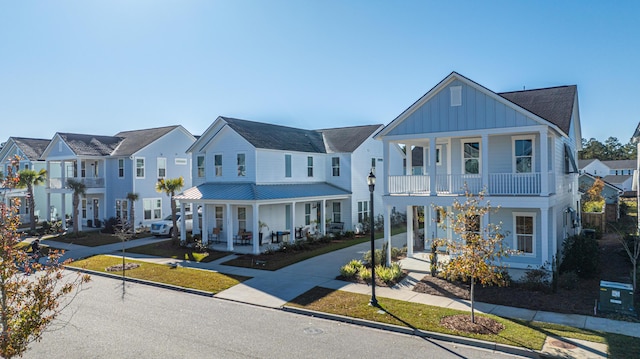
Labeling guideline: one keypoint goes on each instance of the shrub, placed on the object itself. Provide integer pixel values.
(580, 254)
(356, 264)
(398, 252)
(569, 280)
(348, 271)
(593, 206)
(365, 274)
(110, 225)
(349, 235)
(536, 279)
(380, 256)
(384, 274)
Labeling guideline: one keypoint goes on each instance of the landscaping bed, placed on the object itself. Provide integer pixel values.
(167, 249)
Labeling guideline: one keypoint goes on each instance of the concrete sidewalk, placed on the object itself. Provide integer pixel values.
(275, 288)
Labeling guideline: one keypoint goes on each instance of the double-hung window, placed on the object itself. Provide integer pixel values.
(524, 230)
(242, 167)
(120, 167)
(152, 208)
(363, 211)
(471, 157)
(217, 162)
(336, 212)
(242, 218)
(307, 214)
(139, 167)
(335, 166)
(310, 166)
(287, 165)
(162, 167)
(200, 164)
(523, 155)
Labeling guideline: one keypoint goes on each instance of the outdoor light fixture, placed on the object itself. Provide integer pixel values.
(371, 181)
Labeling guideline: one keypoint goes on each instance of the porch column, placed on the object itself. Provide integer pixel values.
(432, 166)
(554, 232)
(49, 207)
(386, 166)
(409, 231)
(183, 226)
(292, 230)
(255, 237)
(544, 163)
(196, 217)
(78, 168)
(64, 212)
(544, 238)
(387, 232)
(425, 160)
(204, 232)
(323, 215)
(409, 160)
(229, 230)
(484, 156)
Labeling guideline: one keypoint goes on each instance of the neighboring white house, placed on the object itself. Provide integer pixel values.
(520, 147)
(113, 166)
(29, 151)
(616, 172)
(295, 181)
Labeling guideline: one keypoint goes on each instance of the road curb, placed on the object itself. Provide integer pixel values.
(417, 332)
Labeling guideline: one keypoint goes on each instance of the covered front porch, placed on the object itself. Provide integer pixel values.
(250, 218)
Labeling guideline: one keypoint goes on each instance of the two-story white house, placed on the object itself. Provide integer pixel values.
(113, 166)
(295, 181)
(29, 150)
(616, 172)
(519, 147)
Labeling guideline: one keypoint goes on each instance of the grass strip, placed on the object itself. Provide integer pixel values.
(167, 250)
(530, 335)
(203, 280)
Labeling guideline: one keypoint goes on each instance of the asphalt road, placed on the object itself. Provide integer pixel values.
(150, 322)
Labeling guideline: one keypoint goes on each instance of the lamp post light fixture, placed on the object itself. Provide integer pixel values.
(371, 181)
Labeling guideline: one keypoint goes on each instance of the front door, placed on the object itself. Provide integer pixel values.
(96, 212)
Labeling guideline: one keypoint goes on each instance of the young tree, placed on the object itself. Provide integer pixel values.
(79, 189)
(132, 197)
(28, 305)
(28, 179)
(170, 187)
(479, 250)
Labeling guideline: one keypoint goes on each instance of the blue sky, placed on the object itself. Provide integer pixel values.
(101, 67)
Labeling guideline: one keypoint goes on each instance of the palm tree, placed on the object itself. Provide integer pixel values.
(170, 187)
(28, 179)
(132, 197)
(79, 189)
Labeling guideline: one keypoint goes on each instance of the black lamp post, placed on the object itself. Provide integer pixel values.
(371, 181)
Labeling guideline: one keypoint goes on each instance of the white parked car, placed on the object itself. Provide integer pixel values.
(164, 227)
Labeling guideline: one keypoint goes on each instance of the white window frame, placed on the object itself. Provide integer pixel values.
(533, 235)
(154, 206)
(309, 166)
(242, 218)
(162, 165)
(479, 158)
(336, 212)
(219, 215)
(200, 166)
(120, 167)
(218, 167)
(287, 165)
(335, 166)
(140, 168)
(363, 211)
(515, 158)
(242, 165)
(307, 214)
(438, 156)
(83, 208)
(122, 209)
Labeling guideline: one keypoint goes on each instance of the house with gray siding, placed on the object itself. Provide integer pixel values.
(295, 181)
(518, 147)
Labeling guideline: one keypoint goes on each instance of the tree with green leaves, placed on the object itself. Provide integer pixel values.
(611, 149)
(170, 187)
(132, 197)
(79, 189)
(28, 179)
(477, 253)
(28, 305)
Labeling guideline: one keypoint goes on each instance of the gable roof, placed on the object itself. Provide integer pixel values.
(527, 101)
(276, 137)
(346, 139)
(136, 140)
(621, 164)
(584, 163)
(31, 147)
(91, 145)
(554, 104)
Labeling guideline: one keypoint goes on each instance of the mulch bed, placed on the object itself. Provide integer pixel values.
(462, 322)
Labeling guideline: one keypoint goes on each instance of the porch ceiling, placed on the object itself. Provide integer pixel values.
(255, 192)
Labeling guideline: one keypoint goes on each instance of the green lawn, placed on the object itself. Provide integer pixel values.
(168, 250)
(530, 335)
(203, 280)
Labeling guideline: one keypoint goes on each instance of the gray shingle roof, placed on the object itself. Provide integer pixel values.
(554, 104)
(91, 145)
(346, 139)
(585, 163)
(136, 140)
(276, 137)
(615, 180)
(31, 147)
(264, 135)
(621, 164)
(253, 192)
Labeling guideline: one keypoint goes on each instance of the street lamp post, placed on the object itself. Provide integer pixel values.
(371, 181)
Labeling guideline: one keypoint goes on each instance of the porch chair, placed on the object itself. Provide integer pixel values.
(215, 235)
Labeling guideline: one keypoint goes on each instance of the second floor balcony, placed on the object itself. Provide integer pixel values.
(89, 182)
(512, 184)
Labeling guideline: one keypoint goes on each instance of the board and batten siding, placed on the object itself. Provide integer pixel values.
(477, 112)
(271, 166)
(227, 143)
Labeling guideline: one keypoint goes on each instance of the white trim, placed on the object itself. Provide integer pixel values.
(462, 143)
(144, 167)
(532, 138)
(215, 167)
(152, 208)
(455, 93)
(533, 236)
(121, 161)
(204, 166)
(158, 160)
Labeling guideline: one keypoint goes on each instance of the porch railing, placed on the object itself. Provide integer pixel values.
(89, 182)
(447, 184)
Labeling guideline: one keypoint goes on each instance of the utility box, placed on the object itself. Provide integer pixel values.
(616, 297)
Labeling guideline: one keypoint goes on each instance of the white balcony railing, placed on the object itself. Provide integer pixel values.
(89, 182)
(498, 184)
